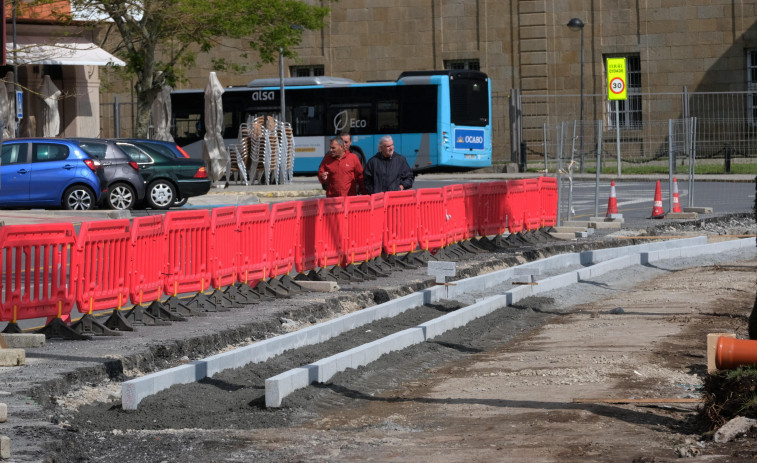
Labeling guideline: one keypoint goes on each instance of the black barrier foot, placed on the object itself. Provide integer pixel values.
(88, 325)
(399, 262)
(171, 310)
(266, 289)
(290, 284)
(322, 274)
(343, 276)
(202, 303)
(175, 307)
(223, 303)
(252, 296)
(239, 299)
(382, 265)
(485, 244)
(355, 273)
(139, 315)
(470, 247)
(370, 269)
(13, 328)
(116, 321)
(419, 258)
(58, 329)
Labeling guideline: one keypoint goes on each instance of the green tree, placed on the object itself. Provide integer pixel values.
(159, 39)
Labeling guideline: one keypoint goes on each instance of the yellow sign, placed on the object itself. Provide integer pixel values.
(617, 85)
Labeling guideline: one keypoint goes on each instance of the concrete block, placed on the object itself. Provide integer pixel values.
(682, 215)
(132, 392)
(24, 340)
(605, 225)
(563, 236)
(319, 286)
(555, 282)
(582, 234)
(611, 218)
(3, 413)
(5, 447)
(569, 229)
(575, 223)
(12, 357)
(698, 210)
(712, 344)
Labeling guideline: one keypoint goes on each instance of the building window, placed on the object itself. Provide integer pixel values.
(628, 113)
(751, 72)
(306, 71)
(470, 64)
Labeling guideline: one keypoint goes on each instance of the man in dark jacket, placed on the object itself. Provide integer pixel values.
(387, 170)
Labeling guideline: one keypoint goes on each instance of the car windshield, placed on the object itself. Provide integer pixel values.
(155, 153)
(135, 153)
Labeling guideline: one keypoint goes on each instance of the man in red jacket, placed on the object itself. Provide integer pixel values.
(341, 171)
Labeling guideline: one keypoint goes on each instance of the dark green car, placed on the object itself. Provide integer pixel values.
(170, 180)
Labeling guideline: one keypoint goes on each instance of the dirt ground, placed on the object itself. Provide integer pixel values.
(513, 386)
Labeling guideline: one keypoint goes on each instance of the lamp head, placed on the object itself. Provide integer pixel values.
(575, 24)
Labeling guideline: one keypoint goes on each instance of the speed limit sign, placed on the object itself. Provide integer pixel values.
(616, 79)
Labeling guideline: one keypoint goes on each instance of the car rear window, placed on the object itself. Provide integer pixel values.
(97, 150)
(46, 152)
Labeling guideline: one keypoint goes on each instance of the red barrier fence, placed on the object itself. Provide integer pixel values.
(188, 251)
(401, 219)
(188, 235)
(305, 258)
(431, 219)
(454, 214)
(224, 249)
(35, 271)
(99, 265)
(548, 194)
(253, 223)
(493, 208)
(148, 258)
(329, 232)
(284, 236)
(357, 229)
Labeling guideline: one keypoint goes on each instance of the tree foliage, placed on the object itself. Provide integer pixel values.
(159, 39)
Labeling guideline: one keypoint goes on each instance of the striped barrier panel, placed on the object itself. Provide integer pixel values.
(284, 236)
(431, 219)
(378, 218)
(36, 271)
(548, 195)
(471, 209)
(100, 265)
(329, 232)
(305, 258)
(148, 259)
(516, 200)
(224, 245)
(454, 215)
(357, 230)
(253, 223)
(532, 215)
(401, 222)
(188, 236)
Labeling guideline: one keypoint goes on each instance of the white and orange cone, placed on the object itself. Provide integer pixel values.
(657, 211)
(612, 203)
(676, 198)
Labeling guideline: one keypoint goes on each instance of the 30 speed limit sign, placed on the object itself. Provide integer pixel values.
(616, 79)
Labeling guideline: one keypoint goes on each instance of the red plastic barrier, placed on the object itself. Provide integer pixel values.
(548, 193)
(401, 222)
(493, 208)
(253, 223)
(516, 200)
(224, 245)
(35, 261)
(378, 219)
(100, 265)
(188, 235)
(329, 233)
(471, 209)
(532, 211)
(284, 236)
(357, 232)
(305, 258)
(431, 218)
(148, 258)
(455, 219)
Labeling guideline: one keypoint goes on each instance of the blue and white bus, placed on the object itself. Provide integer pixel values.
(438, 119)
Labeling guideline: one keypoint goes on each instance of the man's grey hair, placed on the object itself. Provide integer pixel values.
(338, 140)
(386, 140)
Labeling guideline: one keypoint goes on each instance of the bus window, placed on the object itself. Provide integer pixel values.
(354, 118)
(307, 121)
(419, 109)
(388, 120)
(469, 100)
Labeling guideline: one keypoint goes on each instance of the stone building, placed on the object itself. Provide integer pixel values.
(701, 45)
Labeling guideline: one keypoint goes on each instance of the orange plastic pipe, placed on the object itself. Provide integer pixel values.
(732, 353)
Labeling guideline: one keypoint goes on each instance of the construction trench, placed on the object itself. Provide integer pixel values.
(80, 417)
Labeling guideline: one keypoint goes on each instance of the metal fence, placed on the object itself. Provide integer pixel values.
(118, 119)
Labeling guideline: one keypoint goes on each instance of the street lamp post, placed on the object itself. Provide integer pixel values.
(576, 24)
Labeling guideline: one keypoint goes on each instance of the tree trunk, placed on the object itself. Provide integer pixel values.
(753, 315)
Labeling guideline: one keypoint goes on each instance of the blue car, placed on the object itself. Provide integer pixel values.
(43, 172)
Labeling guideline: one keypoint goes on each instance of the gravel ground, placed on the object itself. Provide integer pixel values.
(63, 406)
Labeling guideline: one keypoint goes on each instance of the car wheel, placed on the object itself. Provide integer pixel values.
(78, 198)
(121, 196)
(179, 202)
(160, 194)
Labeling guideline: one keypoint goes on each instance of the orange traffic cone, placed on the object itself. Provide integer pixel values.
(676, 198)
(612, 203)
(657, 212)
